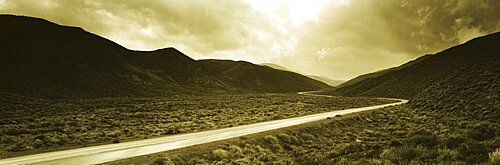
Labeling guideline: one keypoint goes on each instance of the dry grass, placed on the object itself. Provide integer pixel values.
(35, 124)
(397, 135)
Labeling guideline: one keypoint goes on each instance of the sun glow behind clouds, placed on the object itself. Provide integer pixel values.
(297, 11)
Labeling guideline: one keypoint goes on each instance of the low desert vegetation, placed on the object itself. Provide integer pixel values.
(29, 124)
(396, 135)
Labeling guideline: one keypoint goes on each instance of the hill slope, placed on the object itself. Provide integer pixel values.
(247, 76)
(275, 66)
(377, 74)
(323, 79)
(463, 78)
(43, 59)
(327, 80)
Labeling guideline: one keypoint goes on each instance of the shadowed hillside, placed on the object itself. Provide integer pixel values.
(373, 75)
(247, 76)
(463, 78)
(43, 59)
(323, 79)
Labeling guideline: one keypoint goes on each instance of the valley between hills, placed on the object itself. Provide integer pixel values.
(453, 118)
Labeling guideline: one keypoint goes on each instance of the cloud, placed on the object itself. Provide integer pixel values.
(339, 39)
(204, 26)
(372, 35)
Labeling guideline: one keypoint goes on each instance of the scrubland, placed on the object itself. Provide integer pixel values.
(28, 124)
(396, 135)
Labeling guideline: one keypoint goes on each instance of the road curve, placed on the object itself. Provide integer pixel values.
(112, 152)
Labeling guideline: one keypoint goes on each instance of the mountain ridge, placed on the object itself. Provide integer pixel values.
(462, 79)
(43, 59)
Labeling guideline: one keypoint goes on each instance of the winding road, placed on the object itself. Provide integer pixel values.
(112, 152)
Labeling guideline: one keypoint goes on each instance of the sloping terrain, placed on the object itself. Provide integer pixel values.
(374, 75)
(327, 80)
(464, 78)
(43, 59)
(395, 79)
(247, 76)
(275, 66)
(323, 79)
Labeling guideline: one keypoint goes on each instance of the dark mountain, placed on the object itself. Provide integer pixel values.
(373, 83)
(463, 78)
(378, 73)
(43, 59)
(247, 76)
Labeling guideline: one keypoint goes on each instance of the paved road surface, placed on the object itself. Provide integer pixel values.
(111, 152)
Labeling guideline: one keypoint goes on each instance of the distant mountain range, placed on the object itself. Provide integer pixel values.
(42, 59)
(324, 79)
(464, 78)
(327, 80)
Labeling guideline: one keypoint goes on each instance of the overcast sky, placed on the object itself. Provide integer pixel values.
(339, 39)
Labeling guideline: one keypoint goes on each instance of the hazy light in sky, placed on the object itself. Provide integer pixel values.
(297, 11)
(334, 38)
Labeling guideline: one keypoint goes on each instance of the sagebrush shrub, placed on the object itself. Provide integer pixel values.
(423, 138)
(473, 152)
(483, 131)
(407, 154)
(220, 154)
(495, 156)
(453, 142)
(163, 161)
(285, 138)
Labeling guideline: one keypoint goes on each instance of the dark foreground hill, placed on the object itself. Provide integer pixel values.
(464, 78)
(43, 59)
